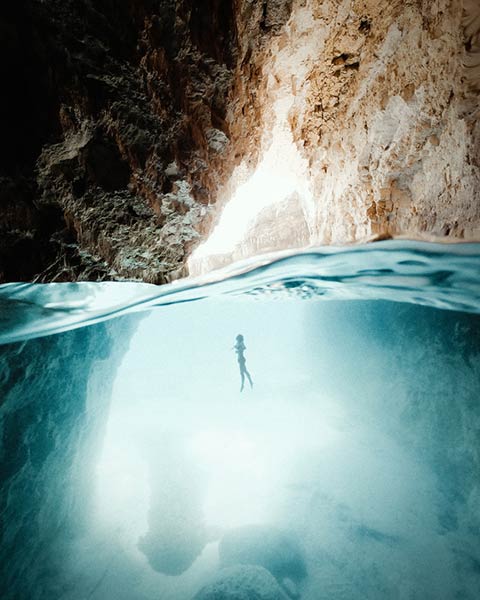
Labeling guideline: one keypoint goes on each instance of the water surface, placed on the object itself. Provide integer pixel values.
(353, 462)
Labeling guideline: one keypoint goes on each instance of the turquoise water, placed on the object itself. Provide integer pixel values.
(437, 275)
(136, 469)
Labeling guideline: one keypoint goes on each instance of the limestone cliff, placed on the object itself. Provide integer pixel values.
(128, 125)
(379, 101)
(388, 118)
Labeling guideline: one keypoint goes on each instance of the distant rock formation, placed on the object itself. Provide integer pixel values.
(176, 535)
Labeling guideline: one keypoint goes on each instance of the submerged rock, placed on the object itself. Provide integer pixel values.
(268, 547)
(243, 582)
(176, 533)
(55, 394)
(172, 556)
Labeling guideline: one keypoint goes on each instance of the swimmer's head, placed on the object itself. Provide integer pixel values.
(239, 337)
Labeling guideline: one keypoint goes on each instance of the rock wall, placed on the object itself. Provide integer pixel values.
(128, 125)
(420, 367)
(388, 119)
(55, 394)
(380, 101)
(114, 114)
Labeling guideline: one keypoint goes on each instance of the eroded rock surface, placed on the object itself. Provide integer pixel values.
(380, 102)
(128, 125)
(389, 121)
(114, 111)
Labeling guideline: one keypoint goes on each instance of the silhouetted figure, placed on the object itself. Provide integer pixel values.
(240, 349)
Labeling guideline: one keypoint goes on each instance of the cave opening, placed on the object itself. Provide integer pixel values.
(249, 220)
(295, 419)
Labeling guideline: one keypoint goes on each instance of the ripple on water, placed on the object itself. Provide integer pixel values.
(437, 275)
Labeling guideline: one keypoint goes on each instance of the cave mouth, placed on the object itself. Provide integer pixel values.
(135, 467)
(281, 177)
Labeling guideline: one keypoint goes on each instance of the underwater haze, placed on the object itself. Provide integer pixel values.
(139, 462)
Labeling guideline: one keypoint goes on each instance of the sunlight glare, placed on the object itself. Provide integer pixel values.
(280, 172)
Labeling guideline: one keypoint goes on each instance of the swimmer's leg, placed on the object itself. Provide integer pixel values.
(242, 375)
(249, 378)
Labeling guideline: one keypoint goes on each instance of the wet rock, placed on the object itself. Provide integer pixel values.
(290, 588)
(176, 532)
(55, 397)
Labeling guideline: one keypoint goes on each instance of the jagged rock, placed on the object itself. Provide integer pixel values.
(100, 99)
(377, 102)
(108, 106)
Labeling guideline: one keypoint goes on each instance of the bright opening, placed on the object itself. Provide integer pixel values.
(280, 173)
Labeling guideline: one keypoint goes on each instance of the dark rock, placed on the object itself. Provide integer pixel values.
(96, 99)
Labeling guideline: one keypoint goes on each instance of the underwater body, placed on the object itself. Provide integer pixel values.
(134, 467)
